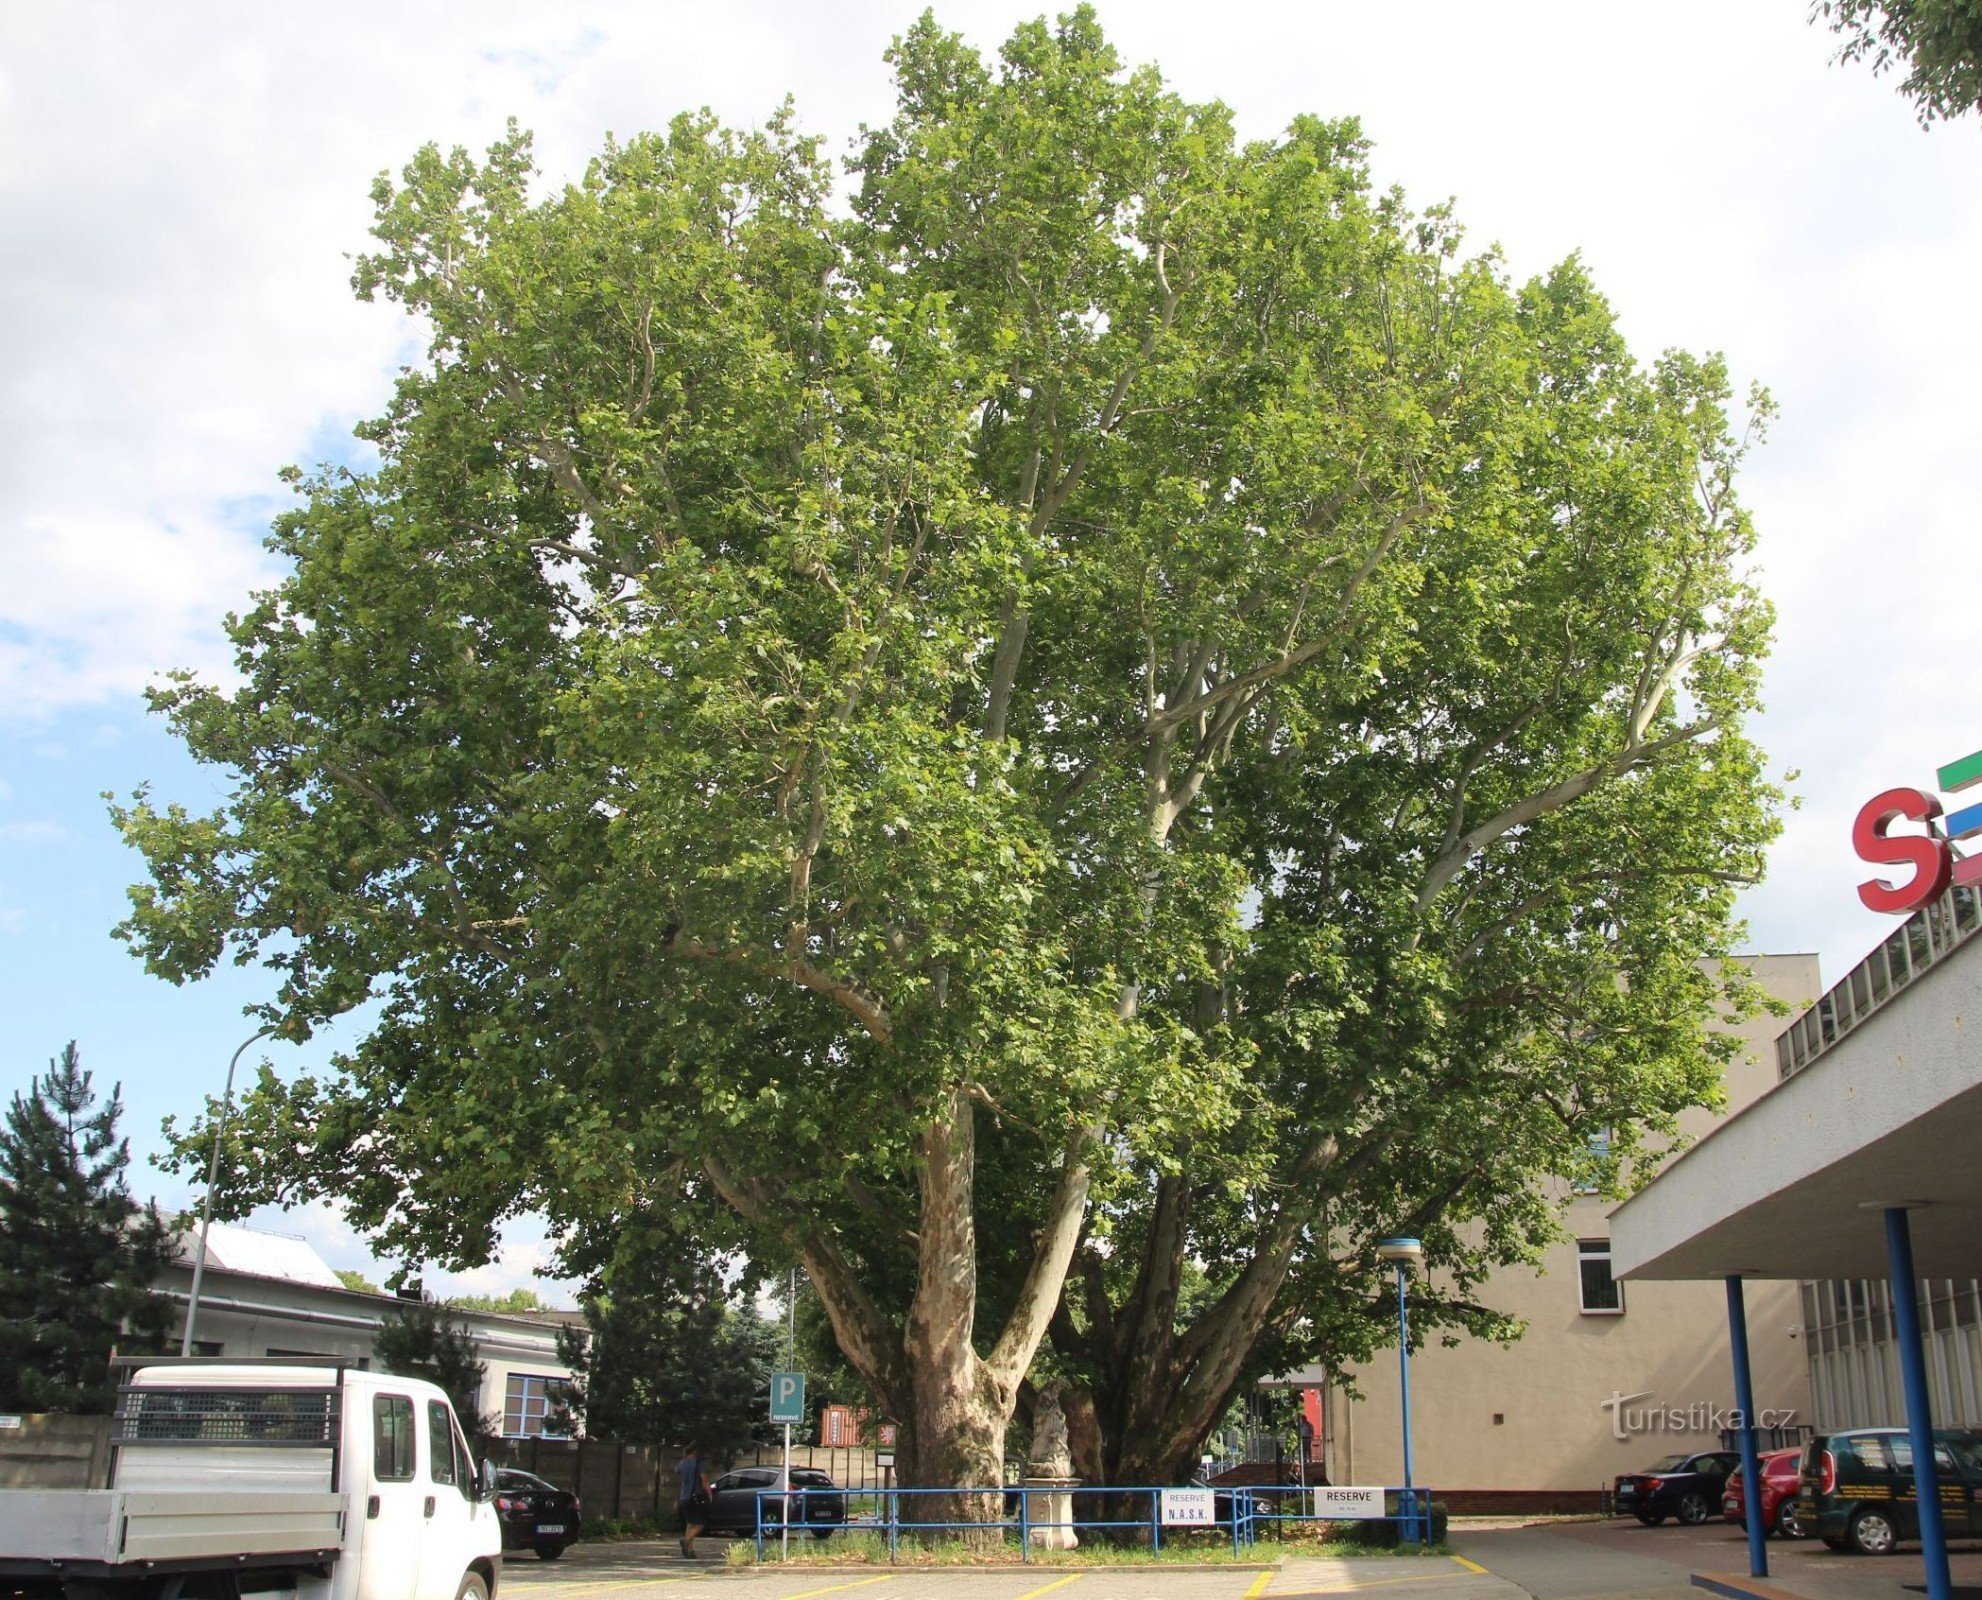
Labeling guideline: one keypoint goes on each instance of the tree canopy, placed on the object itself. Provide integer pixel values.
(78, 1255)
(1117, 705)
(1937, 42)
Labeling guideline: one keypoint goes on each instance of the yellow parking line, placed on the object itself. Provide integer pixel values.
(1259, 1585)
(1470, 1566)
(1048, 1588)
(834, 1588)
(571, 1586)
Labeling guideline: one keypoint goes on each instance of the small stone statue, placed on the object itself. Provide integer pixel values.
(1050, 1457)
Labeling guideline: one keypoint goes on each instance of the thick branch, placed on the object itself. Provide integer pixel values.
(863, 1332)
(866, 1009)
(1536, 806)
(1047, 1275)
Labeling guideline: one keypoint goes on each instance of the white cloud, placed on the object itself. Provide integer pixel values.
(523, 1260)
(32, 832)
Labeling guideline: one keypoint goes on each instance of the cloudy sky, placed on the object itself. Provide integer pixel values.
(181, 188)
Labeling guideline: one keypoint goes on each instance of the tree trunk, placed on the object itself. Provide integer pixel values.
(958, 1412)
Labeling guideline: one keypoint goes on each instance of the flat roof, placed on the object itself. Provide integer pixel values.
(1795, 1184)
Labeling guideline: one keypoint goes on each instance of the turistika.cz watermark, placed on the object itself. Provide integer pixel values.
(1702, 1416)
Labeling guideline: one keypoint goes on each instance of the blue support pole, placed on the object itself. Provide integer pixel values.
(1409, 1532)
(1025, 1523)
(1919, 1418)
(1751, 1458)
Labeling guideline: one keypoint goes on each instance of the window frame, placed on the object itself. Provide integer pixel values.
(385, 1407)
(516, 1404)
(1591, 1250)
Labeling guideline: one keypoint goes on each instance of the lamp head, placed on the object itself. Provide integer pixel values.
(1405, 1252)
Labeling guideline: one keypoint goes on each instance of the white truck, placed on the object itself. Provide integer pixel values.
(304, 1479)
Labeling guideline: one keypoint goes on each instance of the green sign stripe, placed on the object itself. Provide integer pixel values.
(1960, 774)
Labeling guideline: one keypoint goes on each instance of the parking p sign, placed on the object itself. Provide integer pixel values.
(787, 1397)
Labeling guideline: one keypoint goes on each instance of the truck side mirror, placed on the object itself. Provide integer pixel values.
(485, 1479)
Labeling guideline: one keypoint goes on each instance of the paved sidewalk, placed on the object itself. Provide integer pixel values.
(1387, 1578)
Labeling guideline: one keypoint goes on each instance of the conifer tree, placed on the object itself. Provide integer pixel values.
(77, 1254)
(426, 1341)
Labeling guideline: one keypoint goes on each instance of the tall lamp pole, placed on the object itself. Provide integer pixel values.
(212, 1176)
(1403, 1254)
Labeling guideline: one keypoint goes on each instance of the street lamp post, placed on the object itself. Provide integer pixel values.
(1403, 1253)
(212, 1176)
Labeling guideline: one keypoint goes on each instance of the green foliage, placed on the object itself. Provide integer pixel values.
(77, 1254)
(355, 1280)
(520, 1299)
(668, 1358)
(423, 1340)
(1937, 42)
(1123, 653)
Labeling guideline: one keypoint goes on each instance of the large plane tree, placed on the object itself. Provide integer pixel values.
(1116, 701)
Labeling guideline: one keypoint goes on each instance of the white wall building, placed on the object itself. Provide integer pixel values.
(270, 1294)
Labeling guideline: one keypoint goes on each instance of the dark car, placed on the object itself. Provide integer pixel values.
(1858, 1492)
(1781, 1484)
(1686, 1487)
(816, 1502)
(535, 1515)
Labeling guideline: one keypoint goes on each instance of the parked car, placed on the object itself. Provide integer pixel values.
(1858, 1493)
(1781, 1484)
(535, 1515)
(1686, 1487)
(817, 1504)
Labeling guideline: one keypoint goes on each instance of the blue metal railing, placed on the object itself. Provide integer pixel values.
(1238, 1513)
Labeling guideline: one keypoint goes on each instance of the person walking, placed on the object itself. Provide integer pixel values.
(693, 1498)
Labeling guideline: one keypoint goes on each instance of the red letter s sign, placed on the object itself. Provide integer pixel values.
(1928, 856)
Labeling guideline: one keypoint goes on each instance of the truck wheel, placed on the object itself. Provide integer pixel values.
(473, 1587)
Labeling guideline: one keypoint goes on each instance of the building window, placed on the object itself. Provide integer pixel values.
(1602, 1295)
(209, 1347)
(1598, 1147)
(530, 1407)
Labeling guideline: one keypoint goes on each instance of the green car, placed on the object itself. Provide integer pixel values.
(1857, 1488)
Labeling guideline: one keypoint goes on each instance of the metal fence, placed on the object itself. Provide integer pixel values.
(1029, 1520)
(1926, 937)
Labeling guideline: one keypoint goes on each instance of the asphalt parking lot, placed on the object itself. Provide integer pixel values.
(1555, 1561)
(655, 1572)
(1601, 1560)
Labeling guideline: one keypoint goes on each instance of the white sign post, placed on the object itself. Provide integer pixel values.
(1189, 1508)
(1348, 1505)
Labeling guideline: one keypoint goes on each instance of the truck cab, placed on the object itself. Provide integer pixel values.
(340, 1484)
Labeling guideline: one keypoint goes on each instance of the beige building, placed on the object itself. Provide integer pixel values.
(1608, 1377)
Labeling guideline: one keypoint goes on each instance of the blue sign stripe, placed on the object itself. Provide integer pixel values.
(1960, 824)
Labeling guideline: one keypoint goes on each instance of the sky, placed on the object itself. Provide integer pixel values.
(181, 189)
